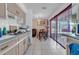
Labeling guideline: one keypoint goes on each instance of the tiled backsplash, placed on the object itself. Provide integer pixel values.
(7, 22)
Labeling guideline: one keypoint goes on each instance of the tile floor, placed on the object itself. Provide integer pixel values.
(48, 47)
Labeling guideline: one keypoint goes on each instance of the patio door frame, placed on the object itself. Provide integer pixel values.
(56, 17)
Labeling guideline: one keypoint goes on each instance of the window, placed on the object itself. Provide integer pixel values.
(61, 23)
(53, 29)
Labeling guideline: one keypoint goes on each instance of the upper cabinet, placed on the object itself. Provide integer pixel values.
(14, 9)
(11, 10)
(2, 10)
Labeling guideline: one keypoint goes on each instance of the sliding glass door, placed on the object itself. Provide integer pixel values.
(60, 24)
(73, 21)
(63, 22)
(53, 28)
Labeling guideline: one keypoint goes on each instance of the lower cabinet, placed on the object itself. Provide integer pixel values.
(25, 44)
(13, 51)
(14, 47)
(21, 47)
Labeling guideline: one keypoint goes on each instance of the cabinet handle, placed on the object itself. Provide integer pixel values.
(4, 48)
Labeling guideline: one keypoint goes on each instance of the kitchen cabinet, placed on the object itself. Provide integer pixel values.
(16, 49)
(12, 11)
(2, 10)
(13, 51)
(25, 44)
(14, 8)
(21, 47)
(8, 46)
(14, 46)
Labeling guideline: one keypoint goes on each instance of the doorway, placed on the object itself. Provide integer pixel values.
(34, 31)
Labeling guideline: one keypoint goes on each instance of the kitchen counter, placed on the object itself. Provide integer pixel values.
(72, 35)
(71, 38)
(8, 37)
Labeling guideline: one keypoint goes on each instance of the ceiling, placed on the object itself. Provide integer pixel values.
(43, 10)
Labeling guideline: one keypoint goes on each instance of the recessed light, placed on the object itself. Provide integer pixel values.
(43, 7)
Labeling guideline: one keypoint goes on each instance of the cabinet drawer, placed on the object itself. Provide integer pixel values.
(3, 47)
(6, 45)
(13, 51)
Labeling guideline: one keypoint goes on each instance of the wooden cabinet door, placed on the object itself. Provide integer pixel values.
(25, 44)
(21, 48)
(13, 51)
(2, 10)
(13, 8)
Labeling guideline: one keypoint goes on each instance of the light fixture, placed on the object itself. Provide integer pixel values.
(43, 7)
